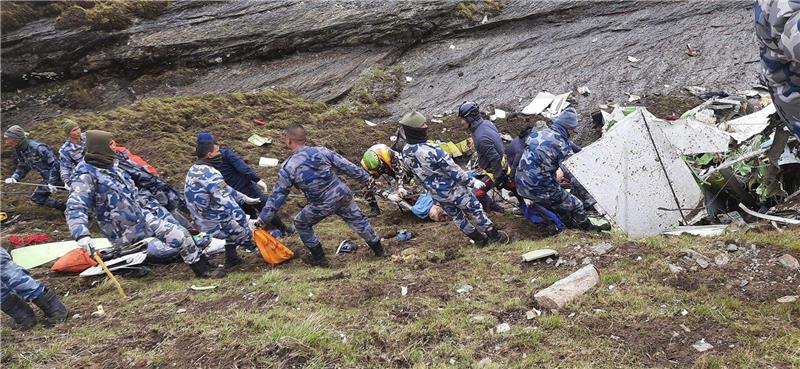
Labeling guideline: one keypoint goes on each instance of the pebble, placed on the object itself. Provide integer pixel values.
(731, 248)
(465, 289)
(533, 313)
(702, 345)
(721, 259)
(787, 299)
(703, 263)
(180, 311)
(601, 248)
(789, 262)
(674, 268)
(502, 328)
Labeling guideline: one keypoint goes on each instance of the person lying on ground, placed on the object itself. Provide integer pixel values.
(100, 187)
(72, 151)
(18, 288)
(31, 154)
(446, 182)
(777, 26)
(536, 174)
(133, 157)
(491, 152)
(426, 208)
(313, 171)
(241, 177)
(215, 206)
(381, 161)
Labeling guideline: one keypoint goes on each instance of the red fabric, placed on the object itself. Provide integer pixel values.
(74, 261)
(31, 239)
(137, 159)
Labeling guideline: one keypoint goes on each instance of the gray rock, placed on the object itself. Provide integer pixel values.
(721, 259)
(601, 248)
(703, 263)
(731, 248)
(787, 299)
(674, 268)
(789, 262)
(702, 345)
(502, 328)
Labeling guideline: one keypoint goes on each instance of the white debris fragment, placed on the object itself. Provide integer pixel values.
(498, 114)
(436, 121)
(702, 345)
(788, 299)
(565, 290)
(180, 311)
(100, 311)
(371, 124)
(403, 290)
(452, 47)
(502, 328)
(485, 19)
(583, 90)
(409, 79)
(539, 103)
(633, 98)
(532, 313)
(633, 59)
(465, 288)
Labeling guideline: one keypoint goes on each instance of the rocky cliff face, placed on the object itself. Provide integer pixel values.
(318, 48)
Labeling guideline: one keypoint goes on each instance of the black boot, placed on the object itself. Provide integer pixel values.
(232, 259)
(316, 256)
(478, 237)
(54, 310)
(496, 236)
(202, 269)
(377, 248)
(20, 311)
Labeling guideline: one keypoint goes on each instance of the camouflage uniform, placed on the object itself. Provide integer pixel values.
(447, 184)
(120, 211)
(777, 25)
(38, 156)
(536, 175)
(152, 186)
(69, 155)
(312, 170)
(215, 206)
(15, 279)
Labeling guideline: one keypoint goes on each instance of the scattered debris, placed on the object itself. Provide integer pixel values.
(346, 247)
(532, 313)
(731, 248)
(180, 311)
(565, 290)
(260, 122)
(485, 19)
(452, 47)
(267, 162)
(692, 51)
(583, 90)
(409, 79)
(702, 345)
(789, 262)
(539, 103)
(674, 268)
(100, 311)
(502, 328)
(721, 259)
(403, 290)
(538, 254)
(768, 217)
(203, 288)
(258, 140)
(633, 98)
(632, 59)
(711, 230)
(498, 114)
(465, 288)
(371, 124)
(788, 299)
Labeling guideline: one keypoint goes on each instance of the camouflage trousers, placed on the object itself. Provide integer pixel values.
(173, 236)
(790, 114)
(235, 230)
(41, 196)
(568, 207)
(16, 280)
(345, 207)
(465, 205)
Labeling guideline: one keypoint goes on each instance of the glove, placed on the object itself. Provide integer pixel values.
(52, 188)
(402, 191)
(394, 197)
(478, 184)
(86, 244)
(251, 200)
(259, 224)
(262, 186)
(10, 180)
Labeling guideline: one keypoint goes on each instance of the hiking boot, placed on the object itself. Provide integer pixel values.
(377, 248)
(495, 236)
(232, 258)
(50, 304)
(20, 311)
(202, 269)
(479, 238)
(316, 256)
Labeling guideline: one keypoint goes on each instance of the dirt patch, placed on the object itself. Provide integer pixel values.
(666, 105)
(752, 273)
(662, 341)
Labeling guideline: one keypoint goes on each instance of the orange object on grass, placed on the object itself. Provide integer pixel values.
(273, 251)
(74, 261)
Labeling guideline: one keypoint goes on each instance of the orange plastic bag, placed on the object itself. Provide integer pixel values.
(74, 261)
(273, 251)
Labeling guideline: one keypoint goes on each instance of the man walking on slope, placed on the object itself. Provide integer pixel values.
(312, 170)
(37, 156)
(446, 182)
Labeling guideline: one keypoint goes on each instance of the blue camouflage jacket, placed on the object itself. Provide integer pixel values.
(69, 155)
(149, 184)
(436, 170)
(238, 174)
(313, 170)
(35, 155)
(208, 197)
(113, 198)
(540, 160)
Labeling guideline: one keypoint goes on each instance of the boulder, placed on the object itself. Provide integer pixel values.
(567, 289)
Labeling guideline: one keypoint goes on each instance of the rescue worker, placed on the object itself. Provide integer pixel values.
(215, 206)
(536, 178)
(167, 197)
(99, 186)
(380, 160)
(446, 182)
(18, 288)
(72, 151)
(777, 25)
(490, 150)
(241, 177)
(313, 171)
(38, 156)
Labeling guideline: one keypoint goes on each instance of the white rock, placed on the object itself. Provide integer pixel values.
(583, 90)
(731, 248)
(532, 313)
(452, 47)
(465, 288)
(632, 59)
(721, 259)
(703, 263)
(601, 248)
(409, 79)
(789, 261)
(702, 345)
(538, 254)
(787, 299)
(502, 328)
(565, 290)
(403, 290)
(180, 311)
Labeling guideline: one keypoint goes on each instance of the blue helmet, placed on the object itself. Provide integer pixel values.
(469, 109)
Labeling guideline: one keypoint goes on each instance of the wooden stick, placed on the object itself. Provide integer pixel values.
(111, 276)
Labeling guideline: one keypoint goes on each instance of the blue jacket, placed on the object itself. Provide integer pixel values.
(489, 145)
(444, 180)
(540, 160)
(34, 155)
(238, 174)
(514, 153)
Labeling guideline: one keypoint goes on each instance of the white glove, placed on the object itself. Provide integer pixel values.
(401, 191)
(478, 184)
(251, 200)
(262, 186)
(10, 180)
(52, 188)
(86, 244)
(394, 197)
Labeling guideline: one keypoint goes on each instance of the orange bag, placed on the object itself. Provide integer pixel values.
(74, 261)
(273, 251)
